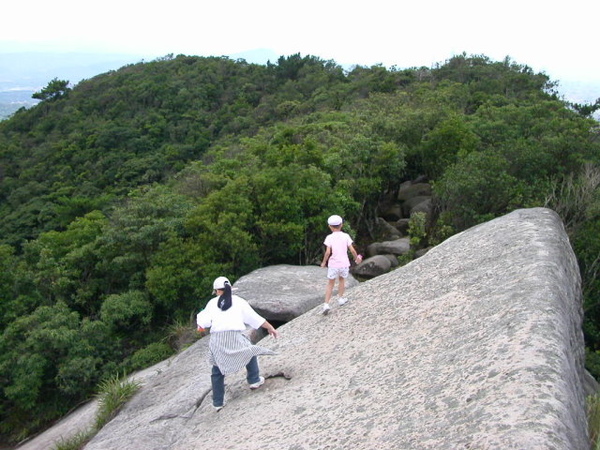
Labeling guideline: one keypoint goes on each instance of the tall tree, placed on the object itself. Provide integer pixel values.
(54, 90)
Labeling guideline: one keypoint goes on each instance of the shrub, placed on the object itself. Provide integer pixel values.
(150, 355)
(182, 334)
(417, 228)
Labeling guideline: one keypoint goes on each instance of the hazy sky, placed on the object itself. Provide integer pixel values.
(561, 41)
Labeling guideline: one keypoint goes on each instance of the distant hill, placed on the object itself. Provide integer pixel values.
(24, 73)
(13, 99)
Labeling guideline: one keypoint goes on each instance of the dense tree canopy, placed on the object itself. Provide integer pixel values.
(122, 197)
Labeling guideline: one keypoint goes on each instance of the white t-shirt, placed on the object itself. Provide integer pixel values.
(235, 318)
(339, 243)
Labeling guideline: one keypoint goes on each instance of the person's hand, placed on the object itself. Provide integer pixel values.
(322, 264)
(358, 259)
(270, 329)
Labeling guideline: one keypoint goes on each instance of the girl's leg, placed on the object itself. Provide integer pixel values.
(341, 286)
(329, 290)
(253, 371)
(218, 386)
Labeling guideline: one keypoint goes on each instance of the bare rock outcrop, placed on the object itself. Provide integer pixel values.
(411, 189)
(396, 247)
(477, 344)
(374, 266)
(283, 292)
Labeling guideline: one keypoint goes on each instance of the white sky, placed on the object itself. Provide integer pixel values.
(561, 41)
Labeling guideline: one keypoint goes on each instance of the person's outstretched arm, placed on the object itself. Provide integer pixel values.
(271, 329)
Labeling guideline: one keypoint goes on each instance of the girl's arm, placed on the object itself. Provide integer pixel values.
(357, 257)
(272, 331)
(326, 257)
(204, 319)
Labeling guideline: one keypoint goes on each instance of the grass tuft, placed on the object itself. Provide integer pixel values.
(112, 394)
(75, 442)
(593, 414)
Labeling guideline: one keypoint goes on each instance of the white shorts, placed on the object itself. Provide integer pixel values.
(335, 272)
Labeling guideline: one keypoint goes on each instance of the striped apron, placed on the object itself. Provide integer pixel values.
(230, 351)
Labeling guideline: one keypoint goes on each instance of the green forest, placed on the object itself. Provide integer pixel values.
(124, 196)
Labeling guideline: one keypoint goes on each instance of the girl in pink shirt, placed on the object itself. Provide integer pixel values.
(336, 260)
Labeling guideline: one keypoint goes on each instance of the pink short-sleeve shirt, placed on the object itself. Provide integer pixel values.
(339, 243)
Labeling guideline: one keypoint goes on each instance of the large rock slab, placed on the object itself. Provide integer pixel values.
(283, 292)
(477, 344)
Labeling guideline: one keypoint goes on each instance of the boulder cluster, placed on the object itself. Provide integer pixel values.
(392, 229)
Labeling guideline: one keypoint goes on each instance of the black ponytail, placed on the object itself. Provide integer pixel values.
(225, 298)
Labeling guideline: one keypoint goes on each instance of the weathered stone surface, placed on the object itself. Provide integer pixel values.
(79, 421)
(396, 247)
(373, 266)
(590, 385)
(409, 190)
(402, 226)
(283, 292)
(386, 231)
(393, 260)
(409, 205)
(424, 207)
(392, 212)
(157, 383)
(477, 344)
(421, 252)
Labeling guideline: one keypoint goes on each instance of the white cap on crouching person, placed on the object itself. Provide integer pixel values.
(334, 220)
(219, 283)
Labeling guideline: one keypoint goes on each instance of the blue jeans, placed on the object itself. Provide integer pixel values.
(218, 380)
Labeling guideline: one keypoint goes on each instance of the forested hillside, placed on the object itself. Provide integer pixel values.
(123, 197)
